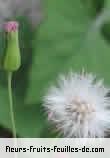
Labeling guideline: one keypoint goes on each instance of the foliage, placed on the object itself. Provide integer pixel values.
(67, 39)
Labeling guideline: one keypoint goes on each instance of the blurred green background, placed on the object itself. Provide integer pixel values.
(73, 35)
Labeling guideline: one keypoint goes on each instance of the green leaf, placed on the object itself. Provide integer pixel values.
(30, 121)
(68, 39)
(94, 6)
(59, 39)
(93, 57)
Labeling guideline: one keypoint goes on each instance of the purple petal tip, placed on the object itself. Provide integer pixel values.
(11, 26)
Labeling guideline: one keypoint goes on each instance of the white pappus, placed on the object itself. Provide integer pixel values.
(79, 106)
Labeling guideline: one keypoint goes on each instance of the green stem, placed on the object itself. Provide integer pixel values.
(11, 104)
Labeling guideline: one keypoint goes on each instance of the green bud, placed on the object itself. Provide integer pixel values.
(12, 58)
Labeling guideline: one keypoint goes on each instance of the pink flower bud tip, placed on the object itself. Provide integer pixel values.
(11, 26)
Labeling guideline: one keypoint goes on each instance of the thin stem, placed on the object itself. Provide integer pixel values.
(11, 104)
(12, 110)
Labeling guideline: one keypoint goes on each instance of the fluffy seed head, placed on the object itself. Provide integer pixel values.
(79, 106)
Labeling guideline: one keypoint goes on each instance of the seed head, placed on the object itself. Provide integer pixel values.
(78, 106)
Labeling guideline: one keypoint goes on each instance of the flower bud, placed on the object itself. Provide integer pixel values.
(12, 58)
